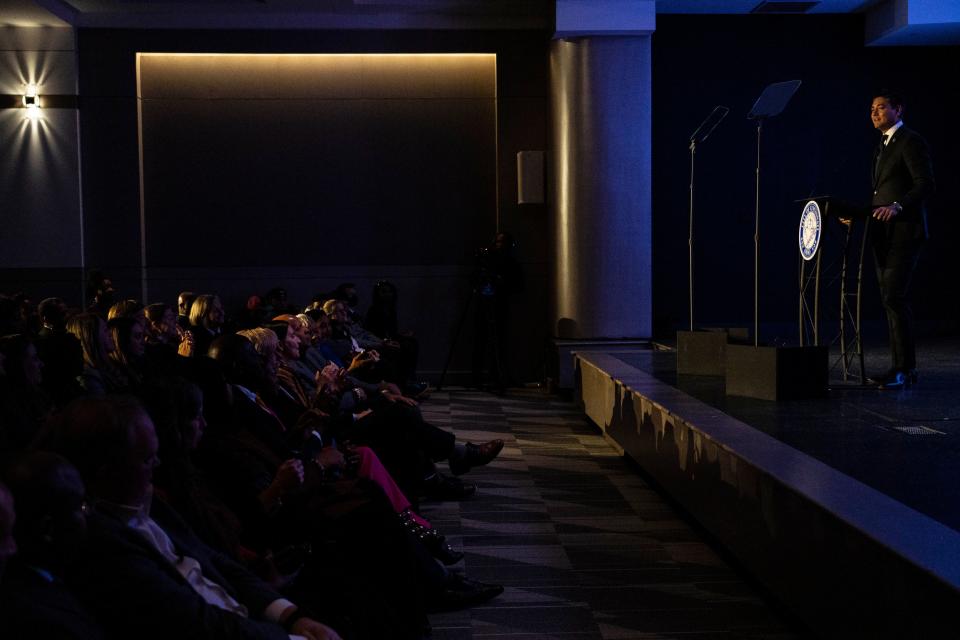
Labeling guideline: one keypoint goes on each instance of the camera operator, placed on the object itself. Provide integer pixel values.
(497, 280)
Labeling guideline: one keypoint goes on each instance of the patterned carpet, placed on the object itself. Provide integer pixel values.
(585, 549)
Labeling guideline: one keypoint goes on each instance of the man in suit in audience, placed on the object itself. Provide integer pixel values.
(141, 569)
(60, 351)
(34, 600)
(902, 181)
(8, 545)
(184, 302)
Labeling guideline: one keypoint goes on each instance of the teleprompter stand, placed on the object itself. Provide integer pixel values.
(772, 372)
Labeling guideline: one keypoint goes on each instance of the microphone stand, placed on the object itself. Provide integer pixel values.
(756, 244)
(710, 123)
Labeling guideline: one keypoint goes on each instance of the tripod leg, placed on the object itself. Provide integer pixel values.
(456, 338)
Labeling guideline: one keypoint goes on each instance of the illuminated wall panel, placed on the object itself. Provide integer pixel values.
(325, 159)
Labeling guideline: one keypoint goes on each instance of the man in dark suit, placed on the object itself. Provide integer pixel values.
(902, 181)
(60, 352)
(35, 602)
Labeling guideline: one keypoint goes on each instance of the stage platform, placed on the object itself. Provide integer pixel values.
(847, 507)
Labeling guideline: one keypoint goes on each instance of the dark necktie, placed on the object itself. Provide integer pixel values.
(876, 162)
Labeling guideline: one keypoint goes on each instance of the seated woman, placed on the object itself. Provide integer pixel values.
(206, 321)
(163, 334)
(126, 309)
(167, 347)
(295, 376)
(100, 375)
(27, 405)
(127, 355)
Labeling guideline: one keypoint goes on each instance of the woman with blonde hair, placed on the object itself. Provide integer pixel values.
(206, 320)
(126, 309)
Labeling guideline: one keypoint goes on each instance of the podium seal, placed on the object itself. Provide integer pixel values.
(809, 230)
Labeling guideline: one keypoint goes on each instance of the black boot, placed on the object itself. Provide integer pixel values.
(435, 542)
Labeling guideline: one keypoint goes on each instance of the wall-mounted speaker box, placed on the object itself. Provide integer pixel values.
(531, 177)
(776, 373)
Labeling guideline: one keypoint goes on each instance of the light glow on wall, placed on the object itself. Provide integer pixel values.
(31, 100)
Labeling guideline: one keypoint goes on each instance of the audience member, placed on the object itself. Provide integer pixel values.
(100, 293)
(126, 309)
(381, 320)
(28, 405)
(8, 545)
(128, 348)
(164, 338)
(184, 302)
(35, 602)
(99, 375)
(206, 321)
(60, 352)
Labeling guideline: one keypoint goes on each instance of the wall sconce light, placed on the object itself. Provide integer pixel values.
(31, 100)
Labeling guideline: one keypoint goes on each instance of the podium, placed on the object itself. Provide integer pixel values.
(819, 212)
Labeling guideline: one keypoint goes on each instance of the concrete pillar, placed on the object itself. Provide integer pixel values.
(601, 169)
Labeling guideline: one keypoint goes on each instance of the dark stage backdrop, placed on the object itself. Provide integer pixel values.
(820, 145)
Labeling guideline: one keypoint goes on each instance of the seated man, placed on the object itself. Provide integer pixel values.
(141, 569)
(34, 600)
(184, 302)
(60, 351)
(8, 545)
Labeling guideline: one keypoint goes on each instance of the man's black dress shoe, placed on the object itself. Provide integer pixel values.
(442, 487)
(416, 390)
(896, 379)
(476, 455)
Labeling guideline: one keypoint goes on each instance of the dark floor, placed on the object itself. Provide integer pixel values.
(905, 444)
(584, 547)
